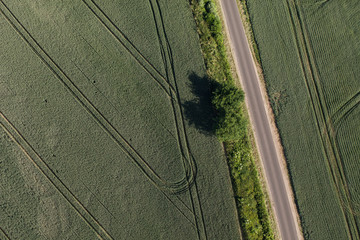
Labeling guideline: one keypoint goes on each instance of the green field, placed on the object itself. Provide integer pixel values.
(104, 124)
(310, 53)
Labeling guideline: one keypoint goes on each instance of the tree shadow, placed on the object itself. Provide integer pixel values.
(199, 112)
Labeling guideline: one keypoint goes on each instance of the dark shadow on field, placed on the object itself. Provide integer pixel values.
(199, 111)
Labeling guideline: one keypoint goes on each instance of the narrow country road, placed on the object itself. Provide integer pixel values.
(279, 191)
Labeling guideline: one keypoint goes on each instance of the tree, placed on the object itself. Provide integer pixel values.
(230, 123)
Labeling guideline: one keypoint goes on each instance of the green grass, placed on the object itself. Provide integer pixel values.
(231, 125)
(309, 54)
(95, 139)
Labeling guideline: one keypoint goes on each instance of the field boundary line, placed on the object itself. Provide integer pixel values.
(100, 15)
(101, 120)
(50, 175)
(321, 114)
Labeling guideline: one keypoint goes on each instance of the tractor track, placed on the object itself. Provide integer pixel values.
(54, 180)
(166, 53)
(103, 122)
(84, 101)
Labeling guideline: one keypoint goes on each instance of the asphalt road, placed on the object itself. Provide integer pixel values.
(265, 142)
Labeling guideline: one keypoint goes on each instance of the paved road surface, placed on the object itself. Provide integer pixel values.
(244, 63)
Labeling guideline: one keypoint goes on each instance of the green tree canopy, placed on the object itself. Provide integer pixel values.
(230, 123)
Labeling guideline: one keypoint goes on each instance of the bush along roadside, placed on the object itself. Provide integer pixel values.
(231, 124)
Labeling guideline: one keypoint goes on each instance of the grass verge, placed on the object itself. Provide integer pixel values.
(232, 124)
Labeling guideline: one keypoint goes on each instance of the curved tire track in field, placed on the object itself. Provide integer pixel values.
(322, 118)
(167, 57)
(189, 163)
(339, 117)
(345, 110)
(51, 176)
(353, 207)
(101, 120)
(322, 3)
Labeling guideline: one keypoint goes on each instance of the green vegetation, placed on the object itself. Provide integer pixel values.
(93, 139)
(231, 125)
(212, 40)
(310, 57)
(253, 212)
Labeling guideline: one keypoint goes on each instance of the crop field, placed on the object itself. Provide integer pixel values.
(104, 109)
(310, 52)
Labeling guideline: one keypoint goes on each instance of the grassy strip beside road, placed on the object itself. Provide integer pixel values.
(231, 124)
